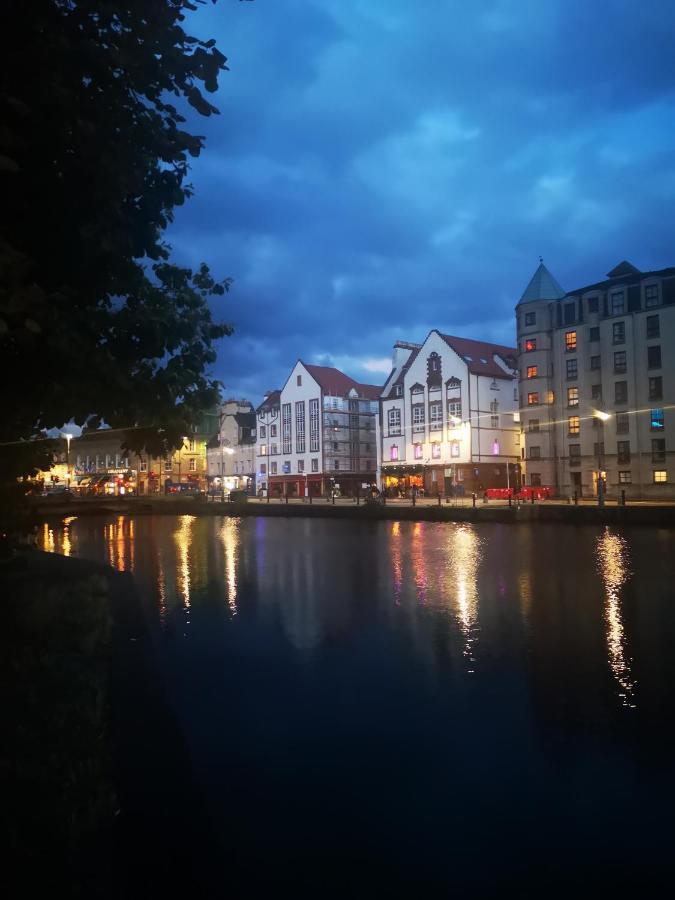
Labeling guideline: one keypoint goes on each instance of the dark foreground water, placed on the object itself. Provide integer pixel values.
(376, 709)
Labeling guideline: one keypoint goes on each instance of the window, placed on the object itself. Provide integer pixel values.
(398, 390)
(575, 454)
(273, 468)
(301, 465)
(621, 392)
(287, 467)
(594, 333)
(393, 452)
(623, 451)
(595, 362)
(418, 417)
(616, 303)
(535, 479)
(274, 449)
(592, 305)
(573, 396)
(263, 449)
(569, 313)
(658, 450)
(656, 420)
(571, 368)
(454, 410)
(300, 426)
(454, 448)
(192, 445)
(263, 468)
(651, 295)
(315, 465)
(530, 345)
(273, 429)
(660, 476)
(435, 450)
(620, 362)
(531, 372)
(656, 388)
(533, 426)
(435, 416)
(622, 423)
(653, 327)
(654, 357)
(418, 451)
(286, 427)
(625, 478)
(574, 425)
(495, 448)
(570, 341)
(599, 448)
(192, 465)
(619, 333)
(550, 397)
(533, 398)
(167, 465)
(596, 392)
(535, 452)
(298, 380)
(494, 421)
(530, 318)
(313, 426)
(394, 420)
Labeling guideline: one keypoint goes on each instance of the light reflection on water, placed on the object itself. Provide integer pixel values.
(613, 566)
(463, 555)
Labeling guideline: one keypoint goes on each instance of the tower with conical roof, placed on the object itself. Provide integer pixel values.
(534, 323)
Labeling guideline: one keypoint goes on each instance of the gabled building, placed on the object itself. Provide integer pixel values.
(317, 434)
(231, 454)
(597, 380)
(449, 417)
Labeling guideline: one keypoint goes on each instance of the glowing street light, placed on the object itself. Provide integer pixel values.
(68, 438)
(603, 417)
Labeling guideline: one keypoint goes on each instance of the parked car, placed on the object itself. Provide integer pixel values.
(183, 487)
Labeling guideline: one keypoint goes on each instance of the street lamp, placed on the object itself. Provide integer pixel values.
(68, 438)
(602, 417)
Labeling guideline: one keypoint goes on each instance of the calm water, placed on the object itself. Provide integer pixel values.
(379, 707)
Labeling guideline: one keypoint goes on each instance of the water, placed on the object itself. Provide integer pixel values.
(382, 707)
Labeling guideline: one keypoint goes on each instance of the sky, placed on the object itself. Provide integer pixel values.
(380, 168)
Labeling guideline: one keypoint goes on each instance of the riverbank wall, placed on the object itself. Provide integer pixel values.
(654, 516)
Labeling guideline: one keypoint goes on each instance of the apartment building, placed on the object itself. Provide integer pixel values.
(449, 417)
(597, 380)
(317, 434)
(230, 456)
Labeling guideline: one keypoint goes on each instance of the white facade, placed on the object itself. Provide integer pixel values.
(316, 433)
(231, 464)
(605, 349)
(449, 415)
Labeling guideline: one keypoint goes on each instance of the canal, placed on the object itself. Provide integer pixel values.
(380, 707)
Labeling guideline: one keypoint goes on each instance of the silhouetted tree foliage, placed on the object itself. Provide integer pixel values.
(94, 157)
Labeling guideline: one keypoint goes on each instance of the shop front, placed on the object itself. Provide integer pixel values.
(401, 481)
(300, 485)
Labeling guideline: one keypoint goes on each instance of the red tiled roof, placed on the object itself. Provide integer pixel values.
(478, 350)
(272, 399)
(337, 384)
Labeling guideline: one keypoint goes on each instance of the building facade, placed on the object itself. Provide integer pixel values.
(448, 418)
(230, 456)
(597, 374)
(317, 435)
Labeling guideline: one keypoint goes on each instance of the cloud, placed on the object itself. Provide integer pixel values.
(381, 168)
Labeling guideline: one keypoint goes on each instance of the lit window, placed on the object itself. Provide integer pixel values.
(495, 448)
(393, 452)
(263, 449)
(656, 419)
(533, 398)
(660, 476)
(192, 465)
(531, 371)
(625, 478)
(570, 341)
(435, 450)
(454, 448)
(573, 396)
(530, 345)
(574, 424)
(550, 397)
(418, 451)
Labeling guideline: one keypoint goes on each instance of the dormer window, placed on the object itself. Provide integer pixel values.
(398, 390)
(484, 361)
(468, 359)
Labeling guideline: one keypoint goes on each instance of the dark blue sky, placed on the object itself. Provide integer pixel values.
(384, 167)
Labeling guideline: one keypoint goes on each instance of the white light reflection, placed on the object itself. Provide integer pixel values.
(613, 566)
(419, 562)
(229, 534)
(463, 560)
(395, 549)
(183, 539)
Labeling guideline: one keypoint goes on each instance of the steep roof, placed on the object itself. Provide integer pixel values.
(337, 384)
(479, 356)
(272, 399)
(624, 268)
(404, 368)
(628, 274)
(542, 286)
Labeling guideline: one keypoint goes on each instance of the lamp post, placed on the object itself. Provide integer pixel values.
(68, 438)
(603, 417)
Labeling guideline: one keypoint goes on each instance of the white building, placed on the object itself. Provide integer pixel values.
(449, 417)
(230, 457)
(317, 434)
(597, 381)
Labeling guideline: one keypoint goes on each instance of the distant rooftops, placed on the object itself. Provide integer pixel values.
(543, 286)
